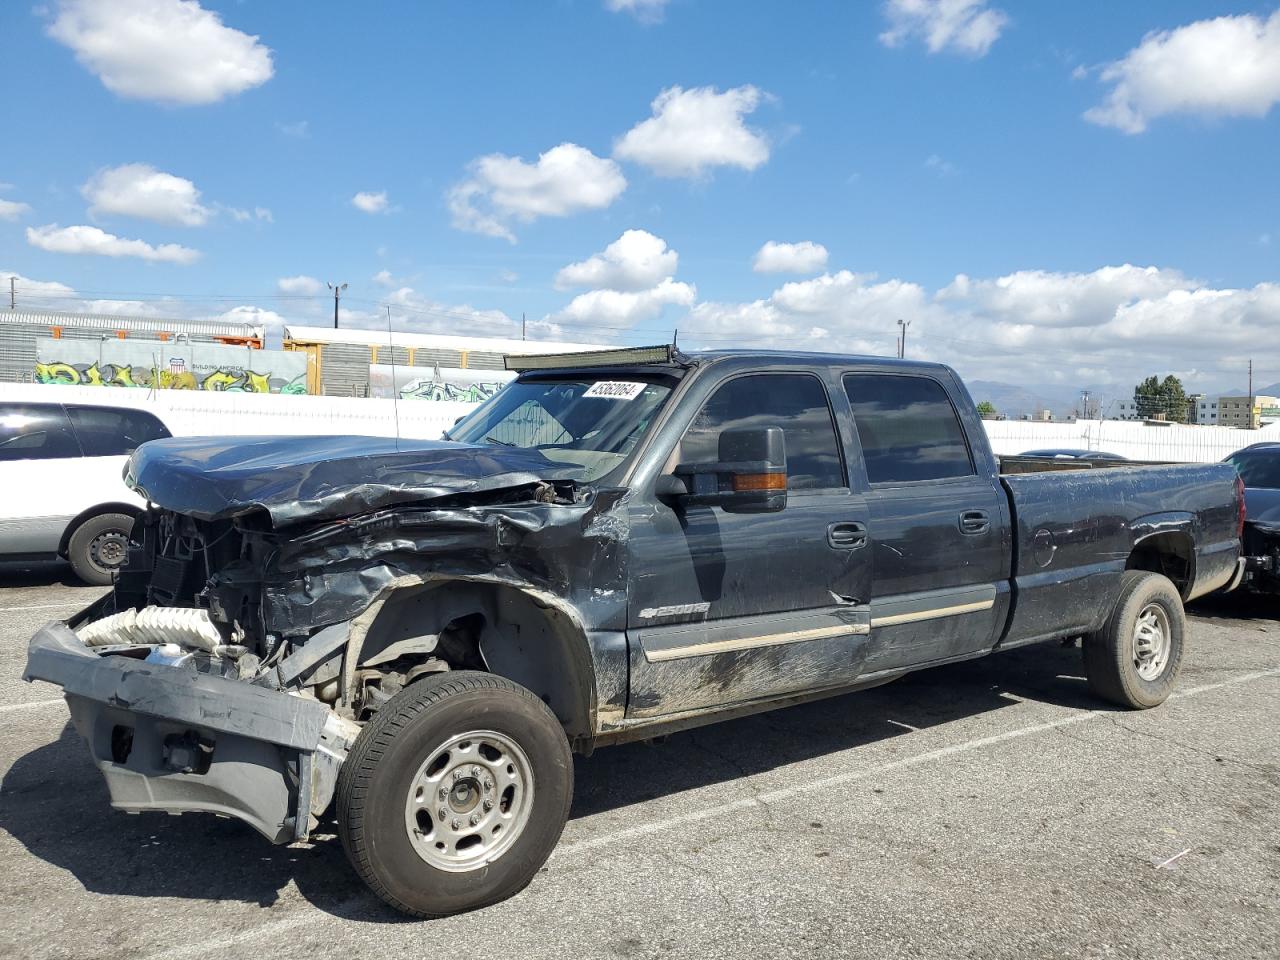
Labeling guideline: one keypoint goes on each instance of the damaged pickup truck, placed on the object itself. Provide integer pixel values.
(615, 546)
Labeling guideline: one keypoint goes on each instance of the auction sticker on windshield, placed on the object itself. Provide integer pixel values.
(615, 389)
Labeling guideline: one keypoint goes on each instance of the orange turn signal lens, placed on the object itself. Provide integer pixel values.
(751, 482)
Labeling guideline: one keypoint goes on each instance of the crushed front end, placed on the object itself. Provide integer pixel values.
(171, 681)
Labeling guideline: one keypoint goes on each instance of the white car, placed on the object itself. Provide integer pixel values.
(61, 467)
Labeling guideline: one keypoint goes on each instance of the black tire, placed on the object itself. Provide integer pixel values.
(99, 547)
(380, 771)
(1111, 657)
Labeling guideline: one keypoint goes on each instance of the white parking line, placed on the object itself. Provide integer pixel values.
(313, 915)
(29, 706)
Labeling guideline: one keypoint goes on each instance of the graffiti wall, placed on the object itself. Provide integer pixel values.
(437, 383)
(170, 366)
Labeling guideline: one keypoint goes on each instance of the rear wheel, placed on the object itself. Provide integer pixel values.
(99, 547)
(455, 793)
(1134, 660)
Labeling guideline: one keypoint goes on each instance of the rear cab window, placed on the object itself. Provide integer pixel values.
(114, 431)
(36, 431)
(908, 428)
(796, 402)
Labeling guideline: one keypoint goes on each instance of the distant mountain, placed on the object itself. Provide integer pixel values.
(1014, 401)
(1270, 390)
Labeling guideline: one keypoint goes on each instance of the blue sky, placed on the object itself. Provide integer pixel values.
(915, 141)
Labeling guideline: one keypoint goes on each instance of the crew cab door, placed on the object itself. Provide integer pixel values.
(939, 523)
(725, 607)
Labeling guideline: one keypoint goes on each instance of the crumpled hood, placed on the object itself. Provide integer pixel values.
(296, 478)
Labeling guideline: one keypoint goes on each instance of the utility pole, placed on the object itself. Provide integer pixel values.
(902, 341)
(522, 327)
(337, 289)
(1251, 423)
(13, 293)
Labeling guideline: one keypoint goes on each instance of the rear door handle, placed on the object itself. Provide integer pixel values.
(974, 522)
(847, 536)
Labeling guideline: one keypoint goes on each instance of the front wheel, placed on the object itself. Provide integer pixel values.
(455, 793)
(1133, 660)
(99, 547)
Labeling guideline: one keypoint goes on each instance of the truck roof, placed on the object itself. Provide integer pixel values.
(669, 357)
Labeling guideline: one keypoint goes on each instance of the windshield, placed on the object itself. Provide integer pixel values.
(586, 421)
(1258, 468)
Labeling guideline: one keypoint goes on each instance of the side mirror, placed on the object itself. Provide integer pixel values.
(749, 477)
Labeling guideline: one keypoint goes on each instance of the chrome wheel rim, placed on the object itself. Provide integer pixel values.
(108, 550)
(469, 801)
(1151, 642)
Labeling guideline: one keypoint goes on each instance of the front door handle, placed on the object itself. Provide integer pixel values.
(847, 536)
(974, 522)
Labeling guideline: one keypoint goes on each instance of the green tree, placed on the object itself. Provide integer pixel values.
(1175, 399)
(987, 410)
(1156, 398)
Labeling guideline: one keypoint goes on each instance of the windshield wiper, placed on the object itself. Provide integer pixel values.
(497, 441)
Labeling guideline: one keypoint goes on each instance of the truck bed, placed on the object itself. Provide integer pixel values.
(1074, 530)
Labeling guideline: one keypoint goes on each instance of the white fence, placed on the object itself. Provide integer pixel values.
(193, 413)
(198, 413)
(1137, 441)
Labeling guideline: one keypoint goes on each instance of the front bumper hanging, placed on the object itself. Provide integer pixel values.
(168, 738)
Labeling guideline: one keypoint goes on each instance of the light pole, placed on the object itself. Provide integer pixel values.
(337, 289)
(902, 340)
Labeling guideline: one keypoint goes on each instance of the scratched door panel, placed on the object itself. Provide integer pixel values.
(779, 609)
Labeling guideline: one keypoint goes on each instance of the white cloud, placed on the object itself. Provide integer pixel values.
(844, 311)
(943, 168)
(384, 278)
(1229, 66)
(167, 51)
(969, 27)
(247, 313)
(803, 257)
(257, 213)
(13, 209)
(307, 286)
(91, 240)
(693, 131)
(625, 308)
(635, 261)
(646, 11)
(53, 295)
(1043, 298)
(411, 310)
(504, 190)
(371, 202)
(140, 190)
(298, 129)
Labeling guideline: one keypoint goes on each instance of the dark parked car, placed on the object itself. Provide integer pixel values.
(614, 546)
(1259, 466)
(1067, 453)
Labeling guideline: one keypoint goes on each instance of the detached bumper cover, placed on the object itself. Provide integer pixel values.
(260, 743)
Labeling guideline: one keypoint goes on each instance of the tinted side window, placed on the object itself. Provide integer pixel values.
(795, 402)
(1258, 469)
(35, 432)
(114, 433)
(908, 428)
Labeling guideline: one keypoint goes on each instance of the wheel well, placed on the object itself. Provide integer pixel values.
(1171, 554)
(96, 510)
(529, 639)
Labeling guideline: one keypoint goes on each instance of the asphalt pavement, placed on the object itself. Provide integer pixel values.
(988, 809)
